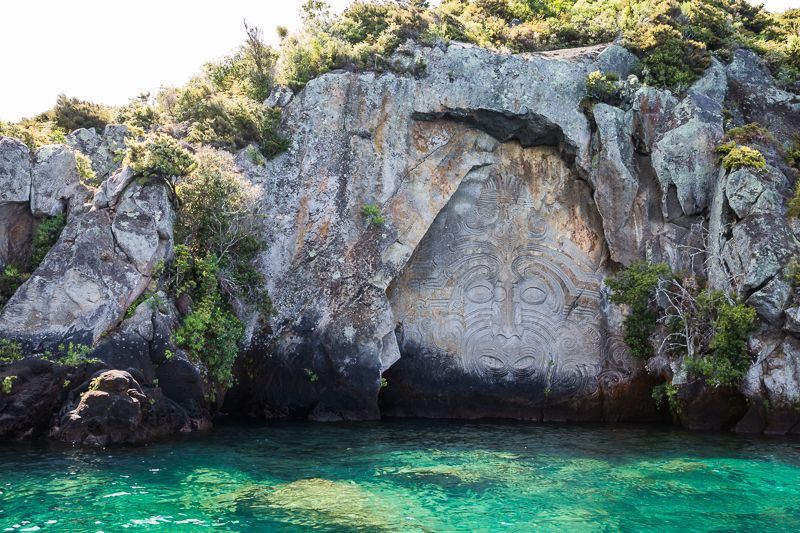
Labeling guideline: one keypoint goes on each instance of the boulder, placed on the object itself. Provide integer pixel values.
(743, 189)
(771, 301)
(143, 225)
(280, 96)
(38, 389)
(792, 324)
(106, 151)
(116, 409)
(110, 190)
(100, 265)
(752, 87)
(56, 185)
(650, 108)
(683, 155)
(764, 244)
(17, 227)
(15, 171)
(713, 83)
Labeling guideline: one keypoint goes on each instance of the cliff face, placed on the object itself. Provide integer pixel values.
(506, 205)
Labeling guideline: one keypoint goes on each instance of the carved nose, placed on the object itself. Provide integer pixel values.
(503, 322)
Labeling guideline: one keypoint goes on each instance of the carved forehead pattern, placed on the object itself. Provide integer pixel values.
(503, 295)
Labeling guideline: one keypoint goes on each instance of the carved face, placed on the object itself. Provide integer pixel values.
(504, 294)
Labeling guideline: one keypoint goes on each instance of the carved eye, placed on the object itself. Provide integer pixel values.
(533, 296)
(480, 294)
(492, 362)
(524, 363)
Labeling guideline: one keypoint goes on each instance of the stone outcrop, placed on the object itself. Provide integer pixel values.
(105, 151)
(506, 202)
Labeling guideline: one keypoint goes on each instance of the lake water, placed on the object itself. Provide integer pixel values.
(409, 475)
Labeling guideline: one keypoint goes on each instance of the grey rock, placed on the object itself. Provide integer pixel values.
(105, 151)
(328, 269)
(713, 83)
(100, 265)
(792, 324)
(752, 87)
(280, 96)
(141, 323)
(17, 226)
(82, 287)
(771, 301)
(781, 379)
(683, 156)
(617, 192)
(15, 171)
(143, 225)
(56, 185)
(743, 189)
(748, 68)
(110, 190)
(764, 244)
(650, 108)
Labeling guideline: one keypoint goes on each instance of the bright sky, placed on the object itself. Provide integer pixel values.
(109, 51)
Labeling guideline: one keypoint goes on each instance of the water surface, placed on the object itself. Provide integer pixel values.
(405, 475)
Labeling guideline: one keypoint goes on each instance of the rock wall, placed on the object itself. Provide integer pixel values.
(507, 202)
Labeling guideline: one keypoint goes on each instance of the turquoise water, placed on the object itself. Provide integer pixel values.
(409, 476)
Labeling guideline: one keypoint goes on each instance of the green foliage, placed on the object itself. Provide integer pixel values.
(311, 375)
(220, 238)
(34, 134)
(211, 332)
(728, 361)
(10, 351)
(635, 287)
(87, 175)
(735, 157)
(75, 354)
(70, 114)
(602, 87)
(794, 203)
(792, 154)
(160, 156)
(373, 214)
(708, 328)
(7, 385)
(139, 114)
(384, 383)
(46, 236)
(11, 279)
(670, 392)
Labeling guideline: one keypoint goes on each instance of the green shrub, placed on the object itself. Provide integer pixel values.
(7, 385)
(670, 392)
(46, 236)
(71, 114)
(211, 332)
(735, 157)
(635, 286)
(139, 114)
(792, 154)
(10, 351)
(87, 175)
(160, 157)
(34, 134)
(373, 214)
(11, 279)
(218, 218)
(602, 87)
(75, 354)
